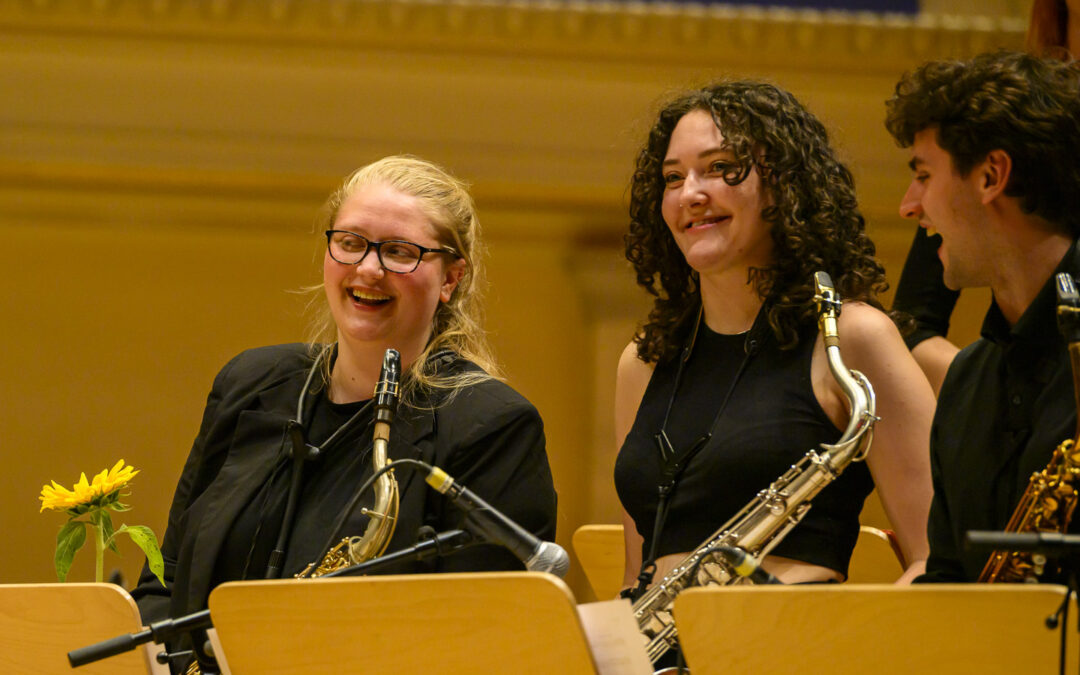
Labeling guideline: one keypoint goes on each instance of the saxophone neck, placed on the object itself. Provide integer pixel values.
(1068, 320)
(862, 403)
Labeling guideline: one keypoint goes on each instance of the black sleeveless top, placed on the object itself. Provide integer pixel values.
(771, 420)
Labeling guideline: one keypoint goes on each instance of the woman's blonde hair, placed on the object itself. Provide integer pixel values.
(458, 323)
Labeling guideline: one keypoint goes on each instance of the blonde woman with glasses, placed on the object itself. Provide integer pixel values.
(402, 270)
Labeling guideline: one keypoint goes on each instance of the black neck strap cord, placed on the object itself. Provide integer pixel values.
(675, 462)
(295, 427)
(301, 451)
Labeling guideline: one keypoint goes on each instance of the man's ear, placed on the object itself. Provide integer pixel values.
(455, 271)
(994, 173)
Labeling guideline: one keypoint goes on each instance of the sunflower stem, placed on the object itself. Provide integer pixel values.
(99, 548)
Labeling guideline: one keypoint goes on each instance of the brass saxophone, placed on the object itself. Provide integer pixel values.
(383, 514)
(1048, 503)
(768, 518)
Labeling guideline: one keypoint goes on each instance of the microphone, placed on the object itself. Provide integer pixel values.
(746, 565)
(494, 526)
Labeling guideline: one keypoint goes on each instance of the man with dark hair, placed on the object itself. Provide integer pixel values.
(995, 149)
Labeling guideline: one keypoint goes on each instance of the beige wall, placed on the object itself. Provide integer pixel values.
(161, 164)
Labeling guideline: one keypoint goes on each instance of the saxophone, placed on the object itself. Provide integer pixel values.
(1048, 502)
(768, 518)
(383, 514)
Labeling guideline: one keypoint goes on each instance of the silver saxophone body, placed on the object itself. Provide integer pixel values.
(768, 518)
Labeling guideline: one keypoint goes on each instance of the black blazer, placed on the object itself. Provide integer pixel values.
(487, 436)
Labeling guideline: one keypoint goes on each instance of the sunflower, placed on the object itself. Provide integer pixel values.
(104, 490)
(88, 505)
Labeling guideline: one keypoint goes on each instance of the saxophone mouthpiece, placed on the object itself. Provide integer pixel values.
(386, 389)
(1068, 307)
(828, 306)
(825, 293)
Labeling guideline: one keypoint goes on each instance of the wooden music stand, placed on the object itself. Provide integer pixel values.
(420, 623)
(880, 629)
(41, 623)
(602, 553)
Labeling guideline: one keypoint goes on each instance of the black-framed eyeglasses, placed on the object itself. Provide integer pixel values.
(397, 256)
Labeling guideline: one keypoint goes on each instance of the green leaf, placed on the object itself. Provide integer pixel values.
(144, 538)
(119, 506)
(71, 538)
(108, 533)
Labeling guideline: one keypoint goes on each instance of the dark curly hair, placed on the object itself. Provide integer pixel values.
(1027, 106)
(814, 220)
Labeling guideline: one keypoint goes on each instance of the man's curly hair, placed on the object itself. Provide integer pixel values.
(1027, 106)
(813, 218)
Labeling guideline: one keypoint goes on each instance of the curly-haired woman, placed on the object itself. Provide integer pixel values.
(736, 200)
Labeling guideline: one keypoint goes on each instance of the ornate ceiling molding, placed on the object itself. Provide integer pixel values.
(637, 31)
(537, 103)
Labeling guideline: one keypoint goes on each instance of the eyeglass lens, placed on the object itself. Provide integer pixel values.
(396, 256)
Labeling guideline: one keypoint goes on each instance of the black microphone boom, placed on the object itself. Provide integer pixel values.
(437, 546)
(1047, 543)
(158, 632)
(494, 526)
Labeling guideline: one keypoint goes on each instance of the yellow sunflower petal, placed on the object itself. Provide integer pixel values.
(50, 499)
(58, 497)
(117, 480)
(99, 479)
(60, 489)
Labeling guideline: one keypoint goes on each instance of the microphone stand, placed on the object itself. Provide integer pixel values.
(1064, 547)
(158, 632)
(301, 452)
(437, 546)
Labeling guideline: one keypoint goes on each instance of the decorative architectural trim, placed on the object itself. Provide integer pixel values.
(636, 31)
(206, 102)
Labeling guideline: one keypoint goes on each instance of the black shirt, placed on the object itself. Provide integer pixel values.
(1006, 403)
(328, 484)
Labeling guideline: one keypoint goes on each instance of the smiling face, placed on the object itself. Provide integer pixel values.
(375, 309)
(717, 226)
(944, 201)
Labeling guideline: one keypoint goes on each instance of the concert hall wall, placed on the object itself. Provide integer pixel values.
(162, 164)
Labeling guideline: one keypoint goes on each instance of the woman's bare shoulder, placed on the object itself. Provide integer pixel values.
(633, 374)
